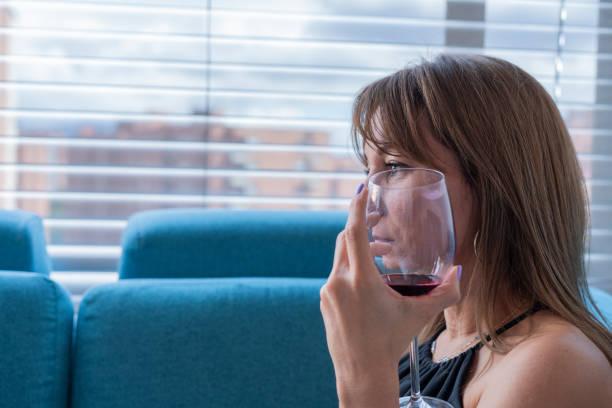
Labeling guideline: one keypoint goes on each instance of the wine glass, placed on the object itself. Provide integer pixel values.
(411, 234)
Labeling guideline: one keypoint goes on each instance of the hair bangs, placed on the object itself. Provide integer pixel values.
(388, 116)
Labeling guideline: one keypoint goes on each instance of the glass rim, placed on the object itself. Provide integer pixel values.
(437, 172)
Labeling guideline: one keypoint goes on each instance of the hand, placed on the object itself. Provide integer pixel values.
(368, 325)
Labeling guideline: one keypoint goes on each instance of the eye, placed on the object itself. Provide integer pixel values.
(394, 165)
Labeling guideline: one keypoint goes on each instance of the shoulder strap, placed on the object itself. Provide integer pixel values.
(517, 319)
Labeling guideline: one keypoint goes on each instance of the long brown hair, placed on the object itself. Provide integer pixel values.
(515, 153)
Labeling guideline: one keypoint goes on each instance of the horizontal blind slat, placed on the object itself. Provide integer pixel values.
(577, 65)
(166, 172)
(84, 223)
(182, 199)
(269, 88)
(172, 145)
(600, 165)
(84, 251)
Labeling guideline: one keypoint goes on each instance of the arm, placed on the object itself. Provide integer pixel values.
(366, 322)
(375, 387)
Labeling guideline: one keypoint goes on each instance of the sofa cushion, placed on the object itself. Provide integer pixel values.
(191, 243)
(36, 323)
(23, 245)
(203, 343)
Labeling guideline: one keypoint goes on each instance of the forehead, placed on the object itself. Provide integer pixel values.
(394, 141)
(377, 143)
(384, 149)
(430, 153)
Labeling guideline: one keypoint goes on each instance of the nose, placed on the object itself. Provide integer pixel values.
(381, 208)
(372, 218)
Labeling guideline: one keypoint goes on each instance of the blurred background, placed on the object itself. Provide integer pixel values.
(108, 107)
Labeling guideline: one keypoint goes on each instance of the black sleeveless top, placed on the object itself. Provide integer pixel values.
(445, 379)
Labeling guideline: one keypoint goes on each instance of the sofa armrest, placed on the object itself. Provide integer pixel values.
(36, 318)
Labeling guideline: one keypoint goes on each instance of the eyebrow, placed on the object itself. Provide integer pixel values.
(389, 149)
(384, 145)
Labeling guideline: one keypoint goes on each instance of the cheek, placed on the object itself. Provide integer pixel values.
(463, 206)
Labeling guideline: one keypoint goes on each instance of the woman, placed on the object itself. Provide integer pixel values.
(509, 326)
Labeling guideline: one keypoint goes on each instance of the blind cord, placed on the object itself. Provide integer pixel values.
(207, 92)
(560, 46)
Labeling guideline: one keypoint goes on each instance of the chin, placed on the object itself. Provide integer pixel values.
(390, 263)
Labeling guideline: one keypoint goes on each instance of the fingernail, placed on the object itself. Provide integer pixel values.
(459, 271)
(359, 188)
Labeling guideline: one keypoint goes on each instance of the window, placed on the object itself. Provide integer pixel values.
(108, 107)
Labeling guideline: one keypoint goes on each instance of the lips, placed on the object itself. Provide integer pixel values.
(382, 239)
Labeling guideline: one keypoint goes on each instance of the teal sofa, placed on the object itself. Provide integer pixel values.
(242, 325)
(147, 343)
(23, 246)
(603, 300)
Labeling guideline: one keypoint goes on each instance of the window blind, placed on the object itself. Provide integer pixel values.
(111, 107)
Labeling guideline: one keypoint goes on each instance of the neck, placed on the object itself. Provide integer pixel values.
(461, 318)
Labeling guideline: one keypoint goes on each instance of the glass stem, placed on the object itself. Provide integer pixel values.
(415, 394)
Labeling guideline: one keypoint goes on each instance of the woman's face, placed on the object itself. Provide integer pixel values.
(393, 226)
(410, 216)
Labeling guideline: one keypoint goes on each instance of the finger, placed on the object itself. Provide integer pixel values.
(448, 292)
(356, 234)
(380, 248)
(431, 304)
(340, 255)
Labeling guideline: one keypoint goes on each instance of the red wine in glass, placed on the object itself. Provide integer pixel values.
(411, 284)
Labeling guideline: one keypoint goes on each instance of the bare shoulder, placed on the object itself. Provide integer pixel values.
(556, 366)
